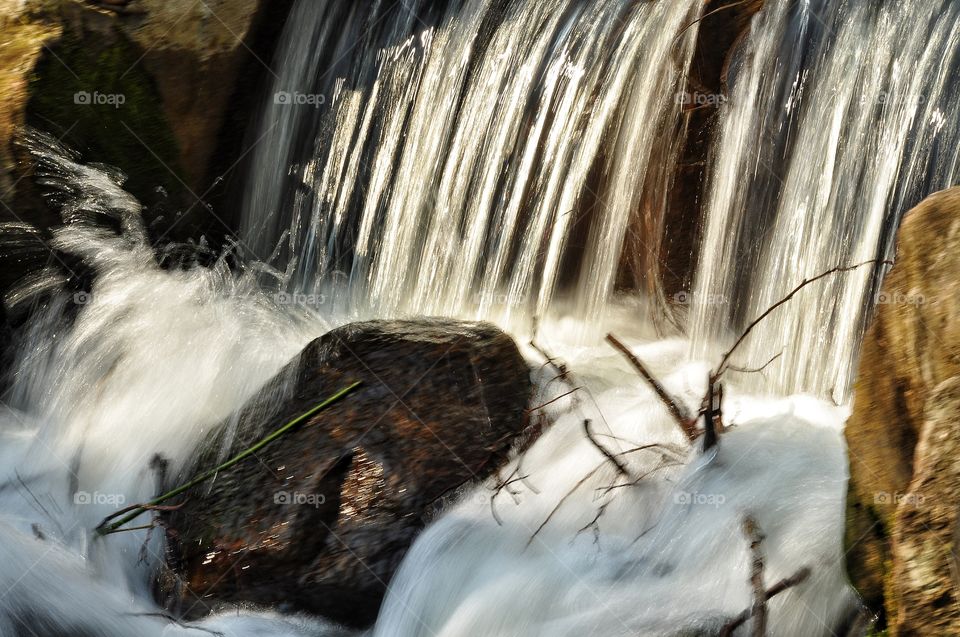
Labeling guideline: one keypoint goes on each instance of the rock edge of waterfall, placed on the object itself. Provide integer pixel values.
(320, 519)
(903, 436)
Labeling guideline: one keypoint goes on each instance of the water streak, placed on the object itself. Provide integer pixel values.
(478, 160)
(842, 116)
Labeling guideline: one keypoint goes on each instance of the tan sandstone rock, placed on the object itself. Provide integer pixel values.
(911, 347)
(925, 577)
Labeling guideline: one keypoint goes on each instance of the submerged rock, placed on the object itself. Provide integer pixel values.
(911, 348)
(321, 518)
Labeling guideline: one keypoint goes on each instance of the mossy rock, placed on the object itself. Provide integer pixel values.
(94, 94)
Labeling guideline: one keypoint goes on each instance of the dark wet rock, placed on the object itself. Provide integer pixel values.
(320, 520)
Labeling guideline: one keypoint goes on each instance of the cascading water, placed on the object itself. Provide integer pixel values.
(478, 159)
(486, 158)
(842, 116)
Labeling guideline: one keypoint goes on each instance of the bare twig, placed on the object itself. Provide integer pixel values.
(754, 370)
(687, 424)
(621, 469)
(723, 366)
(107, 527)
(707, 15)
(566, 497)
(561, 368)
(759, 609)
(663, 464)
(712, 415)
(555, 399)
(776, 589)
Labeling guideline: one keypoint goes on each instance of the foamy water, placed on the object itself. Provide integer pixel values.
(156, 358)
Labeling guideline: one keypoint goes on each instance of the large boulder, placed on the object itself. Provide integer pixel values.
(320, 520)
(912, 346)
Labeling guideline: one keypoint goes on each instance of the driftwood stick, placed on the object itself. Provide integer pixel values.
(759, 609)
(723, 366)
(132, 512)
(687, 424)
(776, 589)
(761, 595)
(713, 416)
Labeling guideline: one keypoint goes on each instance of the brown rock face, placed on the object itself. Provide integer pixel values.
(194, 51)
(926, 578)
(912, 347)
(320, 520)
(160, 88)
(661, 243)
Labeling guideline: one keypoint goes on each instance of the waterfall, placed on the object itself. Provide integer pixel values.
(483, 159)
(493, 158)
(842, 115)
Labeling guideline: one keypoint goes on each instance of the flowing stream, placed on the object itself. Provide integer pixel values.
(488, 159)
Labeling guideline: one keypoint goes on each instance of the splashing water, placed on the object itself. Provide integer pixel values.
(486, 159)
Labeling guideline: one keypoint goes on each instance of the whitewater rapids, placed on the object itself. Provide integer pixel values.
(154, 358)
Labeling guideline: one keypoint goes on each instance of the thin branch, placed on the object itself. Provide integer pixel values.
(595, 522)
(776, 589)
(687, 425)
(579, 484)
(105, 527)
(723, 366)
(562, 369)
(759, 609)
(663, 464)
(713, 415)
(755, 370)
(707, 15)
(621, 469)
(555, 399)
